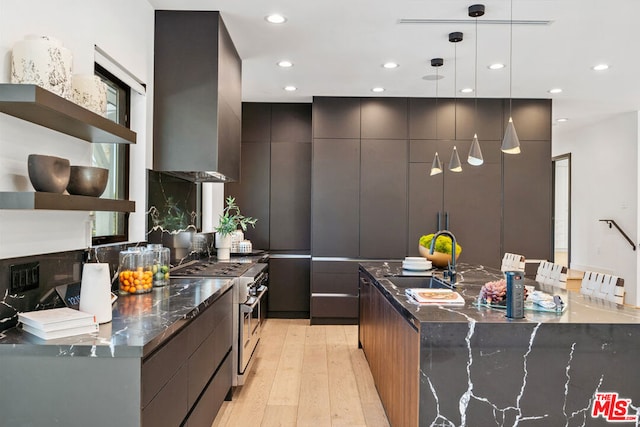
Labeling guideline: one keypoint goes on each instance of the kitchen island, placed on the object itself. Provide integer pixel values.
(163, 360)
(472, 366)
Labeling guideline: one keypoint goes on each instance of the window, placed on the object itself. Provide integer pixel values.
(112, 227)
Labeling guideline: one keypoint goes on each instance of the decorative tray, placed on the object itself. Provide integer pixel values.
(528, 306)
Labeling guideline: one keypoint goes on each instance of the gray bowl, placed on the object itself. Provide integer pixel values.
(49, 174)
(87, 181)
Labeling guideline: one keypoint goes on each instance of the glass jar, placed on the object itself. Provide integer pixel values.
(159, 264)
(135, 276)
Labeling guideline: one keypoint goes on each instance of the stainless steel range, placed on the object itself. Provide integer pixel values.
(249, 304)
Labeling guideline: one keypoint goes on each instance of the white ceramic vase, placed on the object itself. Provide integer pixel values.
(43, 61)
(95, 291)
(90, 92)
(223, 246)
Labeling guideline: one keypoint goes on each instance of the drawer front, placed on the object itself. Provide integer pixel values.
(335, 267)
(169, 407)
(206, 359)
(203, 325)
(162, 365)
(334, 306)
(209, 404)
(339, 283)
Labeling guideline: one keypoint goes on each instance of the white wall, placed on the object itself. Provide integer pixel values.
(604, 185)
(123, 29)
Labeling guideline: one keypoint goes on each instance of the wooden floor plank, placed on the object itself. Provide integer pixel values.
(343, 389)
(314, 405)
(305, 375)
(279, 416)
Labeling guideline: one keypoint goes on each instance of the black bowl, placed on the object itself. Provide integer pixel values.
(48, 174)
(87, 181)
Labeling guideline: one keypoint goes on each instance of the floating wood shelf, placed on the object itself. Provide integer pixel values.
(54, 201)
(37, 105)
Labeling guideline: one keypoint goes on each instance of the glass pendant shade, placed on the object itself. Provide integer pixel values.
(510, 143)
(454, 163)
(436, 167)
(475, 154)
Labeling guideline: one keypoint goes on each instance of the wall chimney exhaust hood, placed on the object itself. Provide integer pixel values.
(197, 105)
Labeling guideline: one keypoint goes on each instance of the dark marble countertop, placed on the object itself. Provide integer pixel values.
(140, 323)
(580, 309)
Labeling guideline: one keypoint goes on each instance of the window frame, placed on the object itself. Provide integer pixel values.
(124, 116)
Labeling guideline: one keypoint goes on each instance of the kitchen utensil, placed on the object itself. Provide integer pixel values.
(95, 291)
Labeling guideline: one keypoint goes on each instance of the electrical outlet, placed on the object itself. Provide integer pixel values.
(24, 277)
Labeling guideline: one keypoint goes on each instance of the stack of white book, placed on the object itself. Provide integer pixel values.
(58, 323)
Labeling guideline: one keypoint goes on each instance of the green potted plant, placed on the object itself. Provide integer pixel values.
(442, 250)
(229, 222)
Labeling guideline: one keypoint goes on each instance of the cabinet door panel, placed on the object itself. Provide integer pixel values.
(337, 307)
(335, 283)
(290, 227)
(384, 118)
(425, 202)
(335, 201)
(422, 118)
(288, 285)
(383, 198)
(252, 192)
(531, 118)
(488, 124)
(336, 117)
(291, 122)
(256, 122)
(527, 200)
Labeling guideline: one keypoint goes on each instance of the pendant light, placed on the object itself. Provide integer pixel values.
(510, 143)
(436, 167)
(455, 37)
(475, 154)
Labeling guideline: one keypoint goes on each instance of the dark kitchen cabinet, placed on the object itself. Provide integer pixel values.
(290, 201)
(336, 117)
(290, 122)
(528, 200)
(383, 198)
(488, 124)
(431, 118)
(469, 202)
(384, 118)
(289, 293)
(334, 292)
(335, 204)
(531, 118)
(191, 374)
(252, 192)
(256, 122)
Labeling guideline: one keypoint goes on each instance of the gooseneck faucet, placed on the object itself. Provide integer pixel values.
(451, 269)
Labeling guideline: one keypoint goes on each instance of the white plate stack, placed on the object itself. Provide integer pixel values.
(416, 264)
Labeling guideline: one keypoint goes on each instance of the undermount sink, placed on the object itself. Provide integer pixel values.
(419, 282)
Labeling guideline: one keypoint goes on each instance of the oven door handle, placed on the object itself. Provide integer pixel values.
(248, 308)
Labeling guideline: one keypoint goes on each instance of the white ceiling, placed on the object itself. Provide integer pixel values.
(338, 48)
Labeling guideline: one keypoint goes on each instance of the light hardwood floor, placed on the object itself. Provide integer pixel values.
(306, 376)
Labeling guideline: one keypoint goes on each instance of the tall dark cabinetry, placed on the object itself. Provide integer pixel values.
(275, 187)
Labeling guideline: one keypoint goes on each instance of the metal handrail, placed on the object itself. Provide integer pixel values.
(611, 223)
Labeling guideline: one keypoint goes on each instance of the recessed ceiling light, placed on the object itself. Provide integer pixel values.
(562, 119)
(290, 88)
(285, 64)
(496, 66)
(555, 90)
(377, 89)
(275, 19)
(390, 65)
(600, 67)
(466, 90)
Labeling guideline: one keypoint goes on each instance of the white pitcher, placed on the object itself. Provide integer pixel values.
(95, 291)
